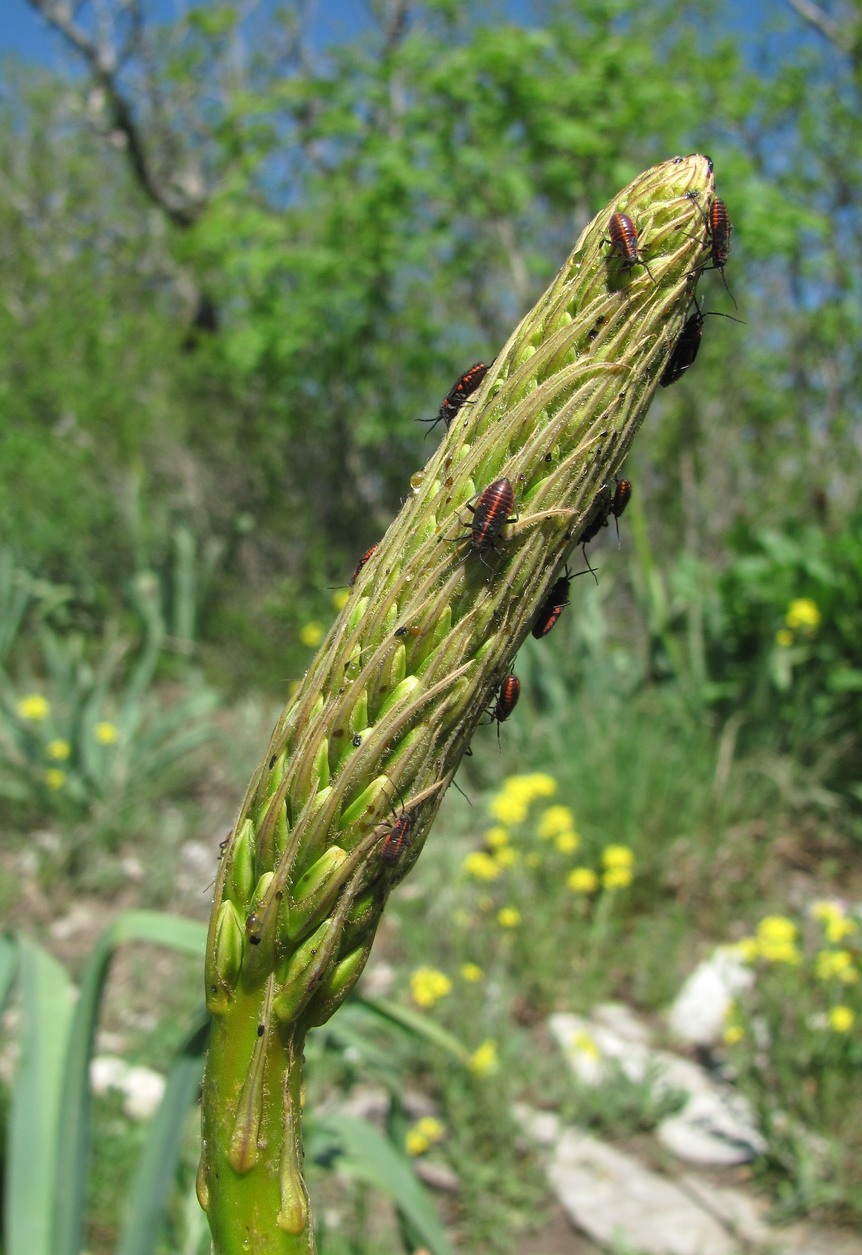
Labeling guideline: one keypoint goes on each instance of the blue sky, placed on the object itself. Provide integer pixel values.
(23, 32)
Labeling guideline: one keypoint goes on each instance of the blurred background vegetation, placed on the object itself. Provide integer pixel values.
(239, 260)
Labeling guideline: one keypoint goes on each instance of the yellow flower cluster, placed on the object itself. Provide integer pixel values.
(311, 634)
(775, 941)
(836, 923)
(836, 965)
(484, 1062)
(803, 615)
(481, 865)
(582, 880)
(511, 804)
(58, 749)
(34, 707)
(424, 1134)
(508, 917)
(618, 862)
(841, 1019)
(428, 985)
(472, 973)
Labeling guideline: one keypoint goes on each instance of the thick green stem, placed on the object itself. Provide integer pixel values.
(378, 727)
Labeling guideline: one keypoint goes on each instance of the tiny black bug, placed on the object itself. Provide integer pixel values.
(463, 387)
(623, 239)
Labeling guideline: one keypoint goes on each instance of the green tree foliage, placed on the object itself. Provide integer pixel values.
(258, 259)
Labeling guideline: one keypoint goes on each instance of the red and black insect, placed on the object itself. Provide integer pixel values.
(687, 346)
(622, 496)
(463, 387)
(719, 230)
(623, 239)
(491, 513)
(553, 605)
(361, 563)
(507, 700)
(397, 838)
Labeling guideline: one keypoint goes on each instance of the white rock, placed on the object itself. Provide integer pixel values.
(699, 1010)
(614, 1199)
(144, 1090)
(141, 1087)
(714, 1127)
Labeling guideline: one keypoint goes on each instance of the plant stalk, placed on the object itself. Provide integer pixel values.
(378, 727)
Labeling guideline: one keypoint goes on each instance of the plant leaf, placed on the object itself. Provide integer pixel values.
(33, 1148)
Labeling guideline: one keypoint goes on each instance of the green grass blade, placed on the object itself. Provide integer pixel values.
(415, 1023)
(32, 1154)
(185, 936)
(367, 1155)
(156, 1174)
(8, 967)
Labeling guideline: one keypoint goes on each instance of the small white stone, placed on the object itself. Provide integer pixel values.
(698, 1012)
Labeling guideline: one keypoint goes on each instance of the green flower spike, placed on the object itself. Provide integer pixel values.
(377, 729)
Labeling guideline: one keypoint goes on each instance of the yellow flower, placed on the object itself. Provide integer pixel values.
(340, 598)
(836, 923)
(481, 865)
(582, 880)
(34, 707)
(835, 965)
(106, 733)
(421, 1136)
(415, 1143)
(508, 808)
(733, 1034)
(483, 1062)
(587, 1045)
(617, 878)
(311, 634)
(841, 1019)
(58, 749)
(472, 972)
(618, 856)
(508, 917)
(784, 638)
(567, 842)
(496, 837)
(55, 778)
(554, 820)
(776, 940)
(507, 857)
(428, 985)
(803, 614)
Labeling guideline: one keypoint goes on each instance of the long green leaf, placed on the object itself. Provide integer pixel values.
(33, 1158)
(413, 1022)
(185, 936)
(156, 1174)
(367, 1155)
(8, 967)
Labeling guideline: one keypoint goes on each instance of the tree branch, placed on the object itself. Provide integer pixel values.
(105, 63)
